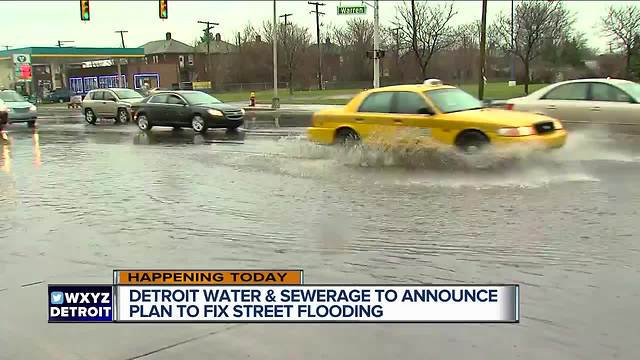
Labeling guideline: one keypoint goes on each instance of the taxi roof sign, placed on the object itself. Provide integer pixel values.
(433, 82)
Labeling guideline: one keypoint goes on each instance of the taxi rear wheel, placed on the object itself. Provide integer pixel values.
(347, 136)
(471, 141)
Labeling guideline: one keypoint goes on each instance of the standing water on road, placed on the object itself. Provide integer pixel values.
(76, 204)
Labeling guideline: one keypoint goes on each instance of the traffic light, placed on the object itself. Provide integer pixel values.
(84, 10)
(164, 10)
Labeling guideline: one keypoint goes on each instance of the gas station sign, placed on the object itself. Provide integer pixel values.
(20, 59)
(22, 66)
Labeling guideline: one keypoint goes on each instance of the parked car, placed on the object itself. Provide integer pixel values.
(183, 108)
(113, 103)
(585, 100)
(19, 110)
(437, 112)
(59, 96)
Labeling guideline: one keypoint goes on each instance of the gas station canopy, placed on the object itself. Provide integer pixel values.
(61, 55)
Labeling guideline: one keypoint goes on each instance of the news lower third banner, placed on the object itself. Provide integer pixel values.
(160, 296)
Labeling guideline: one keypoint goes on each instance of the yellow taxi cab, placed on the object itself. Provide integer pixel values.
(442, 113)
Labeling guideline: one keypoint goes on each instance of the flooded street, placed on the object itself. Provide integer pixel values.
(78, 201)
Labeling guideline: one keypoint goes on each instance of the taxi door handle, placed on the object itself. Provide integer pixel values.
(397, 121)
(595, 108)
(551, 107)
(359, 119)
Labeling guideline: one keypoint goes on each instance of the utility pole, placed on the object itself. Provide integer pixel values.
(61, 66)
(318, 13)
(285, 16)
(122, 32)
(275, 101)
(483, 41)
(287, 58)
(414, 41)
(397, 31)
(207, 34)
(119, 61)
(62, 42)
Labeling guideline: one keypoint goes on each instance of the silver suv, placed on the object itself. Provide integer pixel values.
(111, 103)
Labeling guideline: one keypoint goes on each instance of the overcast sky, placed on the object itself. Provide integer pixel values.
(43, 23)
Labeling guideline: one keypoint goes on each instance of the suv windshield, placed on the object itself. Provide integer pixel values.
(127, 94)
(632, 89)
(197, 98)
(11, 96)
(453, 100)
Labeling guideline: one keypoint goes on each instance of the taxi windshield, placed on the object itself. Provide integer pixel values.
(453, 100)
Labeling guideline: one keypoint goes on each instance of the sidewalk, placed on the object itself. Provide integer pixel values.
(285, 107)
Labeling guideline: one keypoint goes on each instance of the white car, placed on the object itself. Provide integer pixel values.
(597, 101)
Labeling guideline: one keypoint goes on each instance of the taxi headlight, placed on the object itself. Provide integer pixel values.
(242, 111)
(519, 131)
(557, 125)
(33, 108)
(214, 112)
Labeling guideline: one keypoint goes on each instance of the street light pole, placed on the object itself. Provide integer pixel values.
(513, 64)
(376, 45)
(275, 102)
(376, 42)
(483, 41)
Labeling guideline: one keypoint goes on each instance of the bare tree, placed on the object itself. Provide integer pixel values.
(293, 42)
(465, 49)
(355, 39)
(622, 26)
(427, 31)
(535, 23)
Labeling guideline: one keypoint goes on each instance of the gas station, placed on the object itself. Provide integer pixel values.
(34, 71)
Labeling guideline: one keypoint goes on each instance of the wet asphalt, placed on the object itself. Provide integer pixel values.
(77, 201)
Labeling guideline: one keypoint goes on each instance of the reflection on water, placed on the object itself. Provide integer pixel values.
(5, 161)
(344, 215)
(9, 145)
(182, 136)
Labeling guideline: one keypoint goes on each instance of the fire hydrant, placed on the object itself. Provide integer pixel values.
(252, 99)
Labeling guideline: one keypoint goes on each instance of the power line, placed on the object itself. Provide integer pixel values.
(318, 13)
(122, 36)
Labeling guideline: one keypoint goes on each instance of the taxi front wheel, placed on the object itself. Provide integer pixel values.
(471, 141)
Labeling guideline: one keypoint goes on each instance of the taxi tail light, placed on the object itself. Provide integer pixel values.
(508, 106)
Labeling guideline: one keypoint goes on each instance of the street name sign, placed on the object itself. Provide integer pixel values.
(352, 10)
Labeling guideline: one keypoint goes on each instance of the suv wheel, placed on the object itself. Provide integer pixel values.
(123, 116)
(90, 116)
